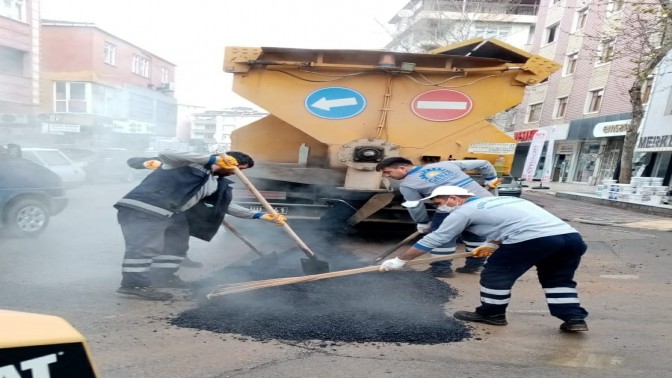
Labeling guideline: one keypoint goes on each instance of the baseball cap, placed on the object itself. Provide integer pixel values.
(446, 190)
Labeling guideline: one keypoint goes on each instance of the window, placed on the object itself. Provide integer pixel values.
(552, 33)
(556, 2)
(581, 17)
(492, 31)
(570, 63)
(140, 66)
(560, 107)
(71, 97)
(110, 54)
(605, 51)
(533, 113)
(646, 89)
(595, 100)
(615, 6)
(11, 61)
(14, 9)
(164, 75)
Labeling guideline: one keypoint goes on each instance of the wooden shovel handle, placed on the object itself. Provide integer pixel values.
(253, 285)
(242, 238)
(270, 210)
(390, 250)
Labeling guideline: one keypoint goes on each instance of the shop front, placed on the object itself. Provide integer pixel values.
(599, 143)
(563, 152)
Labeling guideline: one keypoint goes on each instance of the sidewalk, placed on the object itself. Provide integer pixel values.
(586, 193)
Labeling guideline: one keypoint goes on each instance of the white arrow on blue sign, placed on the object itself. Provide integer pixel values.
(335, 103)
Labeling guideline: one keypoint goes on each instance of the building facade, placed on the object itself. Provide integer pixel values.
(19, 66)
(653, 153)
(100, 90)
(589, 97)
(214, 127)
(423, 25)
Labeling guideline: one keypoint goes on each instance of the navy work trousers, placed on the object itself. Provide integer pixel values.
(556, 259)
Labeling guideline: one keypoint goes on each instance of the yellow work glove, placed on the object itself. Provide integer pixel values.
(152, 164)
(277, 219)
(493, 184)
(485, 250)
(227, 162)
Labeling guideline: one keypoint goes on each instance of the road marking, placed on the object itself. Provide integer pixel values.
(620, 276)
(442, 105)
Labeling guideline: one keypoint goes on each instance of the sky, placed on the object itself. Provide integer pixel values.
(192, 34)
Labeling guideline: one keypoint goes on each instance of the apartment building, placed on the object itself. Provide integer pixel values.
(100, 90)
(214, 127)
(19, 66)
(423, 25)
(585, 107)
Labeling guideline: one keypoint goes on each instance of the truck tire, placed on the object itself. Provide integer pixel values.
(27, 218)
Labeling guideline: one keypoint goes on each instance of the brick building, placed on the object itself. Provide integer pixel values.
(19, 65)
(100, 90)
(585, 106)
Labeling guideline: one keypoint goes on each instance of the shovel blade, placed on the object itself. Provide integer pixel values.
(314, 266)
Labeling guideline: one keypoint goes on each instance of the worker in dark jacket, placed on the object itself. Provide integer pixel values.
(188, 194)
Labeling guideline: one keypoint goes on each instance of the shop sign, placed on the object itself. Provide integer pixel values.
(132, 127)
(493, 148)
(60, 128)
(524, 135)
(611, 129)
(565, 149)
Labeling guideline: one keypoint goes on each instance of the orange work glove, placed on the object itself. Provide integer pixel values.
(152, 164)
(277, 219)
(227, 162)
(484, 250)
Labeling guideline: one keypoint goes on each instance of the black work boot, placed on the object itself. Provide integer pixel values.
(170, 281)
(469, 269)
(440, 272)
(145, 292)
(574, 325)
(468, 316)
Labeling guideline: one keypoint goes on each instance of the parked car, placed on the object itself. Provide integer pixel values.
(71, 174)
(510, 186)
(30, 194)
(103, 164)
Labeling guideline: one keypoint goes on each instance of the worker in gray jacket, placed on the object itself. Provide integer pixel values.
(521, 235)
(419, 181)
(186, 195)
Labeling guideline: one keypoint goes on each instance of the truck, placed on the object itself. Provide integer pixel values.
(335, 114)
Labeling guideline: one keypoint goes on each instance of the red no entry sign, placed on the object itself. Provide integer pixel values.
(442, 105)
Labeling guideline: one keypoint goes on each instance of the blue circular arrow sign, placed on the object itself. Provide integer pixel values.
(335, 103)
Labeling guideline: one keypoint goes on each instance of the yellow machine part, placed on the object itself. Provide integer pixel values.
(280, 80)
(36, 341)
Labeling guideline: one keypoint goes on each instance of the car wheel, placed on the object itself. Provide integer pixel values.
(27, 218)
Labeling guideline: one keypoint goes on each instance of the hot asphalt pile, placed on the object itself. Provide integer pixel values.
(400, 307)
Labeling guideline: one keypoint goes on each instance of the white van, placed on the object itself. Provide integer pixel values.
(71, 173)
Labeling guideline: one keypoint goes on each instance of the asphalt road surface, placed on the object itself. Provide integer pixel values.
(73, 270)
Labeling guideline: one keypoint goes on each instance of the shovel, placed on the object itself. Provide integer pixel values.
(265, 260)
(390, 250)
(311, 265)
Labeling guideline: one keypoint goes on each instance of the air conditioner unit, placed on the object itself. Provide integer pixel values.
(13, 118)
(167, 87)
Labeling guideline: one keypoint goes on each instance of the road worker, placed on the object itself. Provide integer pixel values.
(419, 181)
(520, 235)
(186, 195)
